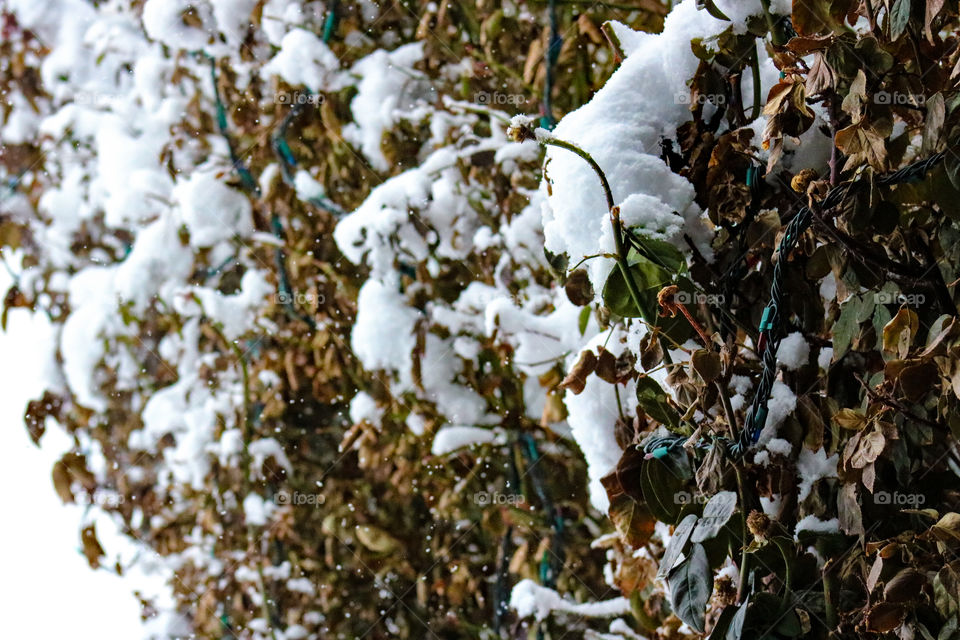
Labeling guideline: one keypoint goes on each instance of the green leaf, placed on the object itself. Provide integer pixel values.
(678, 542)
(583, 320)
(951, 164)
(899, 17)
(848, 324)
(661, 253)
(662, 481)
(716, 514)
(735, 630)
(722, 625)
(653, 400)
(691, 583)
(649, 278)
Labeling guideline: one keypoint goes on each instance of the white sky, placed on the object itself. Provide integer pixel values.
(48, 590)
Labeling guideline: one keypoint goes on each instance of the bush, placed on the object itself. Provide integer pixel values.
(349, 346)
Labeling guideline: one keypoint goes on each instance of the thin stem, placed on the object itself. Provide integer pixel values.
(728, 409)
(616, 393)
(757, 98)
(787, 578)
(614, 214)
(830, 607)
(744, 557)
(569, 146)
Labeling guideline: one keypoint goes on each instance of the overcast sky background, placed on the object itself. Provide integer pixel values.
(49, 590)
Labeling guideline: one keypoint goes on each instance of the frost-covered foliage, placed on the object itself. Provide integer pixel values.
(357, 350)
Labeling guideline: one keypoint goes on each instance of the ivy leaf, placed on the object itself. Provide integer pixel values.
(850, 419)
(847, 325)
(868, 449)
(576, 379)
(691, 583)
(885, 616)
(653, 400)
(898, 334)
(906, 586)
(662, 481)
(91, 546)
(899, 17)
(632, 519)
(811, 18)
(661, 253)
(707, 364)
(649, 279)
(716, 513)
(864, 143)
(376, 539)
(584, 320)
(933, 8)
(678, 542)
(722, 626)
(735, 630)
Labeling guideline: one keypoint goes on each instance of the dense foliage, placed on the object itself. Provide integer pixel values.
(350, 346)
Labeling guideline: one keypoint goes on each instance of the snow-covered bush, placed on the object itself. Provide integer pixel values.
(360, 349)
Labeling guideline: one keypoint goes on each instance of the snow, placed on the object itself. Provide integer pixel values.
(813, 466)
(304, 59)
(816, 525)
(163, 21)
(794, 351)
(383, 334)
(530, 599)
(256, 510)
(265, 448)
(620, 128)
(825, 357)
(449, 439)
(89, 604)
(384, 96)
(592, 417)
(363, 408)
(781, 404)
(211, 210)
(771, 505)
(121, 104)
(779, 447)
